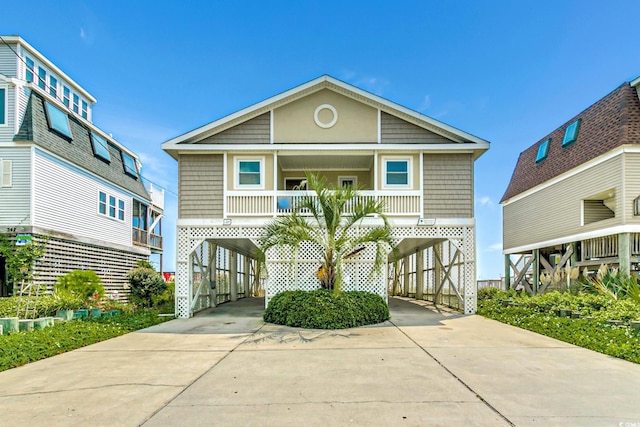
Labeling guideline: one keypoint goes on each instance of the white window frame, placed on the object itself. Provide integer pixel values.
(341, 180)
(5, 119)
(409, 160)
(107, 204)
(6, 173)
(236, 173)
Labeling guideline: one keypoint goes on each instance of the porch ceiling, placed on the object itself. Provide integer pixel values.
(324, 162)
(411, 245)
(241, 246)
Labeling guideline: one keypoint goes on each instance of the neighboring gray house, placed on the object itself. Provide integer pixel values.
(239, 172)
(64, 181)
(574, 196)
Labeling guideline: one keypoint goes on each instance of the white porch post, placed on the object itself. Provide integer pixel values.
(214, 275)
(419, 273)
(233, 275)
(405, 291)
(247, 290)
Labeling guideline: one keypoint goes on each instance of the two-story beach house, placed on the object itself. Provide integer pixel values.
(574, 196)
(64, 182)
(242, 170)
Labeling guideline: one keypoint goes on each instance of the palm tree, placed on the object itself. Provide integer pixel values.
(331, 220)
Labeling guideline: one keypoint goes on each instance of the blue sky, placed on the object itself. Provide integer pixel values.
(507, 71)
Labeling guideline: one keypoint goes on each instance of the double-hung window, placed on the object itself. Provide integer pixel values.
(66, 93)
(249, 173)
(53, 86)
(76, 103)
(84, 109)
(42, 78)
(58, 120)
(397, 173)
(28, 75)
(111, 206)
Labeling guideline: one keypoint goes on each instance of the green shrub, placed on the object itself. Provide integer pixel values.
(83, 284)
(146, 283)
(18, 348)
(165, 302)
(320, 309)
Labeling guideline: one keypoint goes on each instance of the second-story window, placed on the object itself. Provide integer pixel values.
(84, 109)
(397, 172)
(3, 106)
(249, 173)
(76, 103)
(111, 206)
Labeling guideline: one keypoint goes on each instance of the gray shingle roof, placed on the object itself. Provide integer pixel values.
(34, 128)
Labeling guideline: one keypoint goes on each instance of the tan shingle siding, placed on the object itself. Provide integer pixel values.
(448, 185)
(254, 131)
(200, 185)
(397, 131)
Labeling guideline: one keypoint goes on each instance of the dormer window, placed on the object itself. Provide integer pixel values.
(76, 103)
(543, 150)
(66, 93)
(42, 78)
(53, 86)
(3, 106)
(129, 164)
(571, 133)
(28, 75)
(58, 120)
(100, 147)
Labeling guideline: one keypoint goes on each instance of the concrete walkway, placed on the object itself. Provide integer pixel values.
(227, 368)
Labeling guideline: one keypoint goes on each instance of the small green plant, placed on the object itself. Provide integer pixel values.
(19, 260)
(321, 309)
(164, 302)
(81, 284)
(145, 284)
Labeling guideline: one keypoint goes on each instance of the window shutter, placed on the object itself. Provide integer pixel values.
(5, 173)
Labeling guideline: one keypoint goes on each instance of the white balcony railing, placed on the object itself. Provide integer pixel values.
(273, 203)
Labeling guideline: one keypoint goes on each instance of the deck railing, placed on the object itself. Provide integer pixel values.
(274, 203)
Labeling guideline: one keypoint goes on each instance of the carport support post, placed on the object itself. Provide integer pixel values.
(536, 270)
(405, 291)
(624, 253)
(233, 275)
(213, 275)
(507, 272)
(247, 291)
(419, 274)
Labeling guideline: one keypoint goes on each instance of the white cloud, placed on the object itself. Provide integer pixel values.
(496, 247)
(484, 201)
(83, 35)
(426, 103)
(371, 84)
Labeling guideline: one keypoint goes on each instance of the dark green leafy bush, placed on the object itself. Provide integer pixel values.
(320, 309)
(83, 284)
(18, 348)
(145, 284)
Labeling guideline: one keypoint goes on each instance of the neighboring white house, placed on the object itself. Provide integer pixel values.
(64, 181)
(574, 196)
(239, 172)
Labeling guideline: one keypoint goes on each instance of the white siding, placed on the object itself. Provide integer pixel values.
(8, 60)
(66, 201)
(8, 131)
(14, 200)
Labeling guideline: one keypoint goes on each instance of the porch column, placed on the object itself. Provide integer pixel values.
(624, 253)
(419, 274)
(405, 282)
(247, 290)
(507, 272)
(233, 275)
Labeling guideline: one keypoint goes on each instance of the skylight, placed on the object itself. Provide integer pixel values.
(129, 165)
(571, 134)
(100, 148)
(543, 150)
(58, 120)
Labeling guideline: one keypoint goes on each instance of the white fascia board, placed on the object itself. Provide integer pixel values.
(464, 136)
(635, 82)
(583, 167)
(627, 228)
(26, 46)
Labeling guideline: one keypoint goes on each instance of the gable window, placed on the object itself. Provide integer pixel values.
(571, 133)
(42, 78)
(53, 86)
(397, 172)
(110, 206)
(66, 93)
(543, 150)
(28, 75)
(58, 120)
(249, 173)
(3, 106)
(100, 147)
(5, 173)
(129, 165)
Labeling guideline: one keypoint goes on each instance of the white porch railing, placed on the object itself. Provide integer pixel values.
(273, 203)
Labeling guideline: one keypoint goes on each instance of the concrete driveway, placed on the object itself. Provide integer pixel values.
(227, 368)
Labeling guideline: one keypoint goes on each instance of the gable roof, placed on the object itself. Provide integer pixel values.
(609, 123)
(34, 128)
(323, 82)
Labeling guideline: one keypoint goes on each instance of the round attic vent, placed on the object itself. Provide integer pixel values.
(325, 124)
